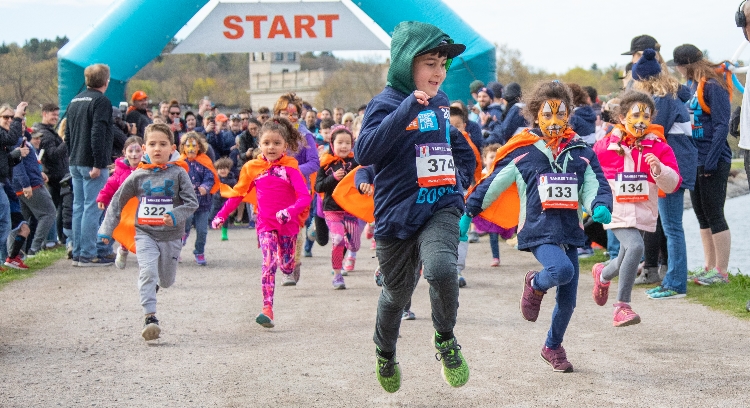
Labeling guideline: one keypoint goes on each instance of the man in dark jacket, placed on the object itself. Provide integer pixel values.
(54, 158)
(137, 112)
(11, 130)
(89, 139)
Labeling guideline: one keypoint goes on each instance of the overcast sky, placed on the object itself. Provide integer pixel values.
(550, 34)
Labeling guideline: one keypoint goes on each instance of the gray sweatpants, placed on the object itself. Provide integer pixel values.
(157, 261)
(626, 263)
(436, 245)
(40, 205)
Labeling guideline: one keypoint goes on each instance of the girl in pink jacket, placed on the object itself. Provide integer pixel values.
(637, 162)
(132, 155)
(282, 198)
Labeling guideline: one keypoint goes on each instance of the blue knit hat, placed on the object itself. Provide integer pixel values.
(488, 91)
(647, 66)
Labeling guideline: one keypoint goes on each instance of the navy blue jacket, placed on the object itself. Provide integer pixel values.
(495, 110)
(673, 115)
(583, 120)
(713, 147)
(523, 167)
(512, 121)
(28, 173)
(474, 130)
(389, 141)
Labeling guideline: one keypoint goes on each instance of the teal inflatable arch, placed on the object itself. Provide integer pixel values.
(133, 32)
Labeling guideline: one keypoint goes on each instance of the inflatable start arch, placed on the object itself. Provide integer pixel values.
(133, 32)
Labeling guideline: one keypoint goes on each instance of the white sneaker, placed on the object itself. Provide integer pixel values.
(288, 280)
(121, 259)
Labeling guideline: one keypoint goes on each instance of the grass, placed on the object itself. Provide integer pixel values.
(730, 298)
(41, 261)
(738, 164)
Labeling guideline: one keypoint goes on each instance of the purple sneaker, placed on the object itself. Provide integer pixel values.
(557, 359)
(184, 238)
(200, 259)
(338, 282)
(531, 300)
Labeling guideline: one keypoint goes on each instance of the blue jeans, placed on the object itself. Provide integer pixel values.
(4, 222)
(199, 219)
(494, 247)
(103, 249)
(560, 269)
(613, 245)
(670, 210)
(86, 213)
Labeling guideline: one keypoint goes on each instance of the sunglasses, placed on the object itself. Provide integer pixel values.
(174, 113)
(7, 116)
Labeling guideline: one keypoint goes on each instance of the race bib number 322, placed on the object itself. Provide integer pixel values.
(558, 190)
(151, 210)
(435, 165)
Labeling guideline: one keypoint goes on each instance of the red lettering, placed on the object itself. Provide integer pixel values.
(328, 19)
(230, 22)
(279, 27)
(306, 23)
(256, 24)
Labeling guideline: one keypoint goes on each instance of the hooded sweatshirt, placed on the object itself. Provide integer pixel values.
(397, 133)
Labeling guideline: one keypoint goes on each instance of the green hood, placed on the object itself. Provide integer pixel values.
(409, 38)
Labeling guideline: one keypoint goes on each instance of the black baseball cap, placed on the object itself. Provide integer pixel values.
(624, 73)
(685, 54)
(447, 47)
(641, 43)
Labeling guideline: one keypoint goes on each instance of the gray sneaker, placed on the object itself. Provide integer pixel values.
(93, 262)
(121, 259)
(288, 280)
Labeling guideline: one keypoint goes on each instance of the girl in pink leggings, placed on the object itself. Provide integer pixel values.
(344, 228)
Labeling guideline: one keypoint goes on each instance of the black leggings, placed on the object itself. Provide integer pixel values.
(708, 198)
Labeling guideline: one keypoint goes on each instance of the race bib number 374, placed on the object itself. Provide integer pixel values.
(152, 209)
(435, 165)
(558, 190)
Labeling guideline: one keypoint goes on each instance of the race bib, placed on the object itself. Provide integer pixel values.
(435, 165)
(631, 187)
(151, 210)
(558, 190)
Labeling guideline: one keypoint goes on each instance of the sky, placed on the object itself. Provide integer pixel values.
(551, 35)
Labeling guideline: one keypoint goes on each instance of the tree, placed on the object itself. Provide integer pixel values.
(23, 79)
(352, 85)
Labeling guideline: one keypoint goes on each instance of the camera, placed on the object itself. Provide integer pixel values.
(124, 108)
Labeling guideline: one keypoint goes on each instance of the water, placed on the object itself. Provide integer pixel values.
(738, 218)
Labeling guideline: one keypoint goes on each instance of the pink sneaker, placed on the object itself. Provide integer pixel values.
(601, 290)
(495, 262)
(557, 359)
(369, 230)
(624, 315)
(373, 245)
(531, 300)
(349, 264)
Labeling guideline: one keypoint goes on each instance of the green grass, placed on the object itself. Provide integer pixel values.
(41, 261)
(738, 164)
(729, 298)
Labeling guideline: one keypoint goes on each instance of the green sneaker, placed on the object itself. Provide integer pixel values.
(654, 290)
(388, 373)
(712, 277)
(697, 272)
(455, 370)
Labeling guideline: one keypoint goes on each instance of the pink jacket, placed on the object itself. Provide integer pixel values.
(122, 171)
(278, 188)
(641, 215)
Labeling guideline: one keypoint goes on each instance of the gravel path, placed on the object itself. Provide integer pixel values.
(71, 337)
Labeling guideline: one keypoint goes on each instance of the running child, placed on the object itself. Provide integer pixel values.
(164, 196)
(557, 176)
(421, 166)
(124, 166)
(344, 229)
(205, 182)
(224, 170)
(637, 162)
(282, 198)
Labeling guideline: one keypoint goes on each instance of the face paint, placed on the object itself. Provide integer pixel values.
(134, 154)
(553, 117)
(191, 148)
(638, 120)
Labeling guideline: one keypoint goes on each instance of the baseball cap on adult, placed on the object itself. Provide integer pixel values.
(221, 117)
(139, 95)
(641, 43)
(685, 54)
(234, 116)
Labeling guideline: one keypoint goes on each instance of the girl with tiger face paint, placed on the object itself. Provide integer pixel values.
(553, 118)
(637, 119)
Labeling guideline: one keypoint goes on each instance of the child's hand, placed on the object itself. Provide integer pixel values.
(100, 205)
(283, 216)
(422, 98)
(365, 189)
(202, 190)
(217, 222)
(105, 240)
(168, 220)
(654, 163)
(339, 174)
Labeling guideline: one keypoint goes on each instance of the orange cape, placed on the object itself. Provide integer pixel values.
(124, 233)
(505, 209)
(347, 196)
(206, 162)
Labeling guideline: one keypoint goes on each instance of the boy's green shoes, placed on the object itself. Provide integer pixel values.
(389, 373)
(455, 369)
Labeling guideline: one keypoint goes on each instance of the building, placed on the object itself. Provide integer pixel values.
(275, 73)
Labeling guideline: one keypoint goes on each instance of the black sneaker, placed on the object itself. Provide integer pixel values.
(151, 329)
(92, 262)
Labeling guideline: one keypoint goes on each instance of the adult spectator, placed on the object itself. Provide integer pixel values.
(11, 130)
(121, 131)
(347, 120)
(489, 113)
(137, 112)
(175, 121)
(744, 144)
(245, 115)
(263, 114)
(190, 121)
(164, 109)
(583, 118)
(311, 121)
(512, 120)
(248, 141)
(89, 139)
(473, 112)
(338, 115)
(204, 107)
(54, 159)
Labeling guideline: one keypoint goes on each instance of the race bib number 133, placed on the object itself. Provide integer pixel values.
(558, 190)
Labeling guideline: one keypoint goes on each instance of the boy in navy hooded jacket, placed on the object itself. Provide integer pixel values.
(421, 167)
